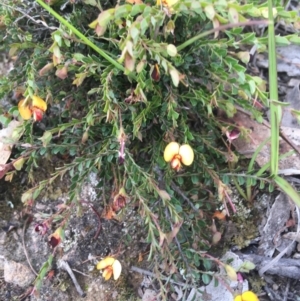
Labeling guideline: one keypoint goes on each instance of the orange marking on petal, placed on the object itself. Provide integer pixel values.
(107, 273)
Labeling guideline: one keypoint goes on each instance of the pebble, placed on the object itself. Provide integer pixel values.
(17, 273)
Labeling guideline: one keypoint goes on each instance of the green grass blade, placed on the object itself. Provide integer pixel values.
(265, 167)
(275, 108)
(288, 189)
(250, 167)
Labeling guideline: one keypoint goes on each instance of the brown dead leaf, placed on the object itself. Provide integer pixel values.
(9, 177)
(100, 30)
(216, 237)
(109, 213)
(62, 73)
(6, 140)
(45, 69)
(168, 267)
(140, 257)
(168, 237)
(174, 232)
(162, 237)
(220, 215)
(163, 194)
(129, 62)
(257, 134)
(4, 168)
(213, 226)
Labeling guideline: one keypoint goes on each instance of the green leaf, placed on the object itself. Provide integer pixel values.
(36, 193)
(207, 264)
(175, 77)
(247, 266)
(46, 138)
(282, 41)
(144, 25)
(295, 39)
(90, 2)
(4, 120)
(233, 15)
(26, 196)
(262, 185)
(122, 11)
(18, 164)
(105, 16)
(241, 180)
(137, 9)
(206, 278)
(134, 32)
(210, 11)
(57, 38)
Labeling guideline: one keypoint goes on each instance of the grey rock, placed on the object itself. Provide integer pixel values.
(288, 60)
(17, 273)
(11, 246)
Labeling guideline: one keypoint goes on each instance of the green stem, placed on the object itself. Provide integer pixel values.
(250, 167)
(220, 28)
(239, 189)
(80, 35)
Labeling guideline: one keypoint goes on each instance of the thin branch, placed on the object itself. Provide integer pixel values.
(177, 242)
(79, 272)
(275, 260)
(178, 191)
(98, 215)
(220, 28)
(29, 17)
(24, 246)
(151, 274)
(287, 289)
(65, 266)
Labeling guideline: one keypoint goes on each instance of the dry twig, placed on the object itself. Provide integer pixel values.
(65, 266)
(24, 246)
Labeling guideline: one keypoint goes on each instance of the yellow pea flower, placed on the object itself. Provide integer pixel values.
(246, 296)
(111, 266)
(34, 106)
(176, 154)
(167, 3)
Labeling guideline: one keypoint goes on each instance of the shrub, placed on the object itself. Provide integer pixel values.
(134, 78)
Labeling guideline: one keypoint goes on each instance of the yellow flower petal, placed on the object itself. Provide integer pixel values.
(167, 3)
(104, 263)
(107, 273)
(24, 109)
(249, 296)
(117, 268)
(39, 103)
(171, 150)
(238, 298)
(187, 154)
